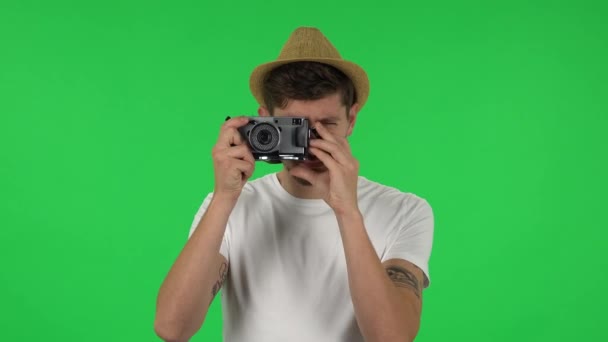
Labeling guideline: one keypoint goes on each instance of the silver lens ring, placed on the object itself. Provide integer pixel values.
(264, 137)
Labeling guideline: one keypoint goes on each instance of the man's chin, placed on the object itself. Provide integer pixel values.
(302, 181)
(318, 168)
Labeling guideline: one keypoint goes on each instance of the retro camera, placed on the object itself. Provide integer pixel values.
(273, 139)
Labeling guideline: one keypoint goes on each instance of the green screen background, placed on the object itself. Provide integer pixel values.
(496, 113)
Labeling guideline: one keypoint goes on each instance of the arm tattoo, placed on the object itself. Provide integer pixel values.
(404, 278)
(218, 284)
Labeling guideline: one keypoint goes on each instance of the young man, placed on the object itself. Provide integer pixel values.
(314, 252)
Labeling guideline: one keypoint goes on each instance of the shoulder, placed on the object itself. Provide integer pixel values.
(379, 196)
(252, 190)
(258, 186)
(259, 191)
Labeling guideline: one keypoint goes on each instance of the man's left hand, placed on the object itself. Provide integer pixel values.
(339, 182)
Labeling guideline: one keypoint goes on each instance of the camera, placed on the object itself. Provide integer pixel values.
(273, 139)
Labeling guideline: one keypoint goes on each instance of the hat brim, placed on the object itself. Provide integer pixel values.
(357, 75)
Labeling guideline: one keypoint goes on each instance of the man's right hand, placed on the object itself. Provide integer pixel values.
(200, 269)
(233, 161)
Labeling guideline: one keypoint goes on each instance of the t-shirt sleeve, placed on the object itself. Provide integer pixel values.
(225, 246)
(414, 239)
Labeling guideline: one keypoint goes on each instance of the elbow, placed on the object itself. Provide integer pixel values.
(393, 335)
(169, 332)
(399, 338)
(403, 338)
(410, 334)
(396, 333)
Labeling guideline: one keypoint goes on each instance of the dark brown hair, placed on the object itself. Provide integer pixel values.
(306, 81)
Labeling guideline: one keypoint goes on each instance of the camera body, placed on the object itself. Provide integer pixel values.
(273, 139)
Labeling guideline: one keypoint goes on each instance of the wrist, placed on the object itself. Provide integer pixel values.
(350, 215)
(223, 200)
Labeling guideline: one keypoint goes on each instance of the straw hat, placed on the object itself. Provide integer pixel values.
(309, 44)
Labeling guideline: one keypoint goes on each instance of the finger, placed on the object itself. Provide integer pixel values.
(235, 122)
(327, 135)
(240, 152)
(336, 151)
(245, 167)
(324, 133)
(248, 155)
(340, 140)
(230, 136)
(325, 158)
(244, 152)
(232, 125)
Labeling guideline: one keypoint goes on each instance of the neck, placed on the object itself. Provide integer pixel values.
(296, 189)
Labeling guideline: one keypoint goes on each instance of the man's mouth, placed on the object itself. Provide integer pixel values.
(313, 164)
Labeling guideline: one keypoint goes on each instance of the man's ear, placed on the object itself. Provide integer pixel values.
(263, 111)
(352, 118)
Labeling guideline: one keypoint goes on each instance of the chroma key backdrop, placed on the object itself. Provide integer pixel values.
(494, 111)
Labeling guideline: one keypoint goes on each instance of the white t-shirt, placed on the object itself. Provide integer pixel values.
(287, 277)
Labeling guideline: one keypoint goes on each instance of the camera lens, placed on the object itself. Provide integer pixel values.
(264, 137)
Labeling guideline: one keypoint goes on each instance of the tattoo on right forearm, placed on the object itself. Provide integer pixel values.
(218, 284)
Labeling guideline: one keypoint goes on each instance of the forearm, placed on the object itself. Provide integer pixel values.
(378, 310)
(186, 292)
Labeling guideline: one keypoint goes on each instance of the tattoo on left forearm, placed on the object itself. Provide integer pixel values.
(218, 284)
(401, 277)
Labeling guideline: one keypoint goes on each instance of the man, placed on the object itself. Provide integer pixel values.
(314, 252)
